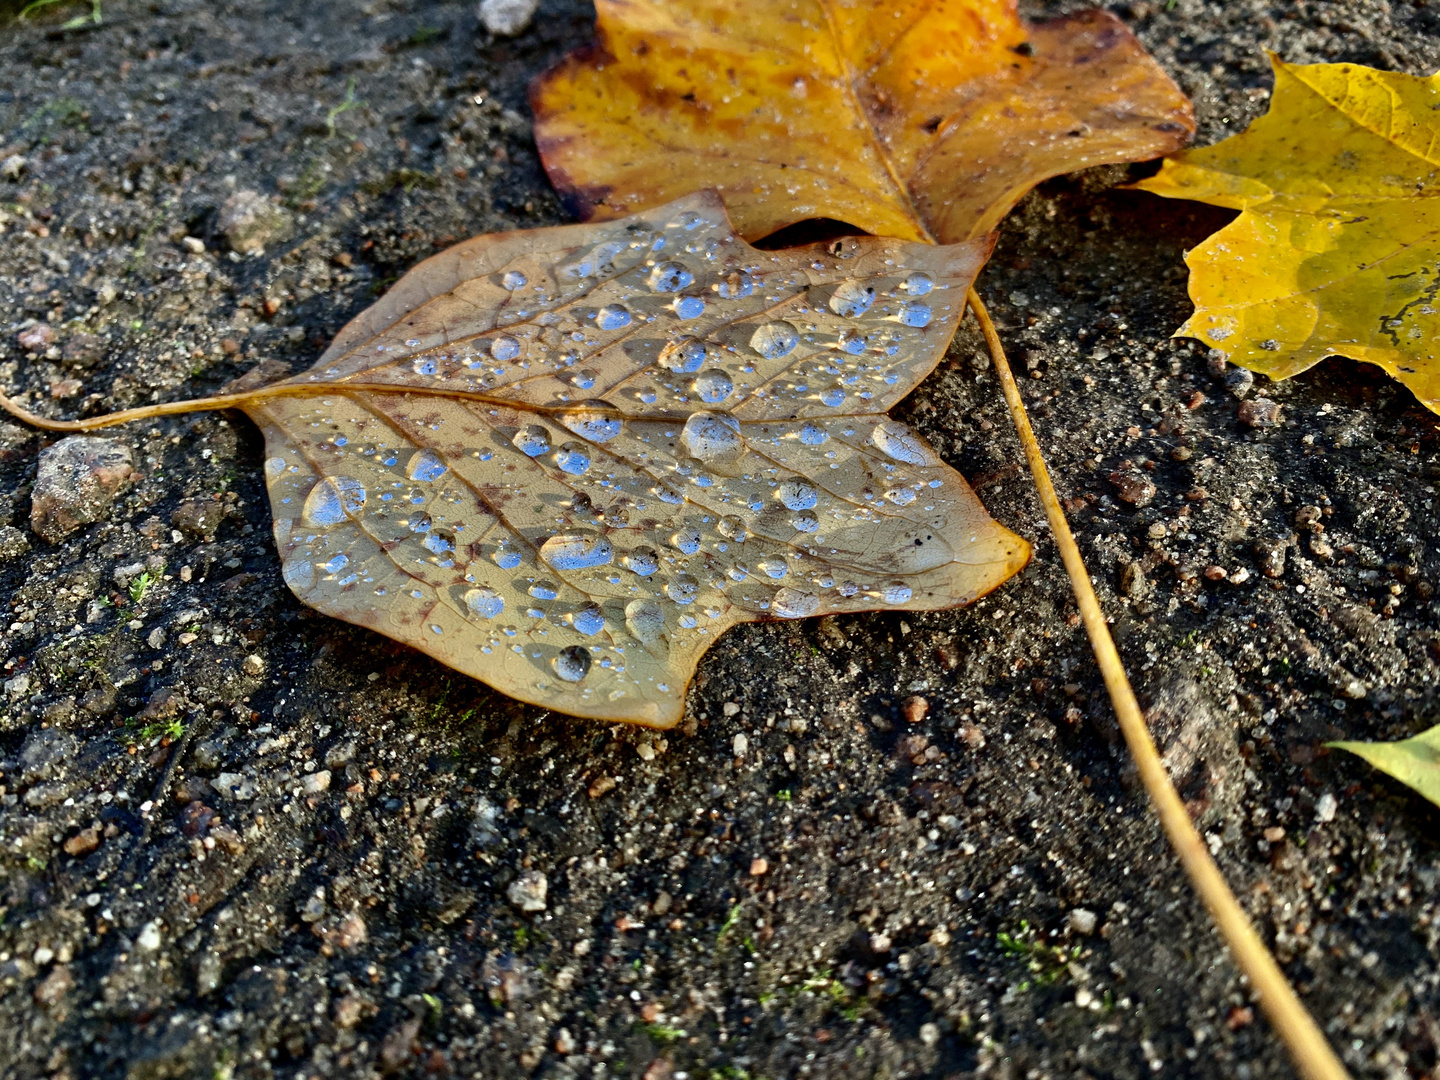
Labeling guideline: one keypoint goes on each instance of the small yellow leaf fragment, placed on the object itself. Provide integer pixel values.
(1414, 762)
(1337, 247)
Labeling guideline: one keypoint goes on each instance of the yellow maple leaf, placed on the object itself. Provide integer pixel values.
(1337, 247)
(918, 119)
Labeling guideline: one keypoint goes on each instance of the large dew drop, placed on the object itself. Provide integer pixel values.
(572, 664)
(573, 458)
(713, 385)
(504, 348)
(895, 592)
(791, 603)
(683, 356)
(712, 436)
(796, 494)
(669, 277)
(732, 528)
(507, 555)
(689, 307)
(576, 551)
(896, 441)
(686, 540)
(590, 422)
(484, 602)
(332, 500)
(735, 286)
(646, 620)
(612, 317)
(643, 561)
(918, 284)
(588, 619)
(851, 299)
(914, 313)
(812, 434)
(774, 340)
(532, 440)
(512, 280)
(683, 589)
(425, 466)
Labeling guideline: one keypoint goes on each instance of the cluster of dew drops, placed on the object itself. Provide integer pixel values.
(709, 435)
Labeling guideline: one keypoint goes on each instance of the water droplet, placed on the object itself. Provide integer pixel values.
(532, 440)
(682, 588)
(899, 442)
(813, 434)
(773, 566)
(711, 436)
(572, 664)
(683, 356)
(591, 423)
(439, 542)
(274, 467)
(643, 561)
(299, 574)
(774, 340)
(588, 619)
(513, 279)
(504, 347)
(576, 551)
(851, 299)
(732, 528)
(484, 602)
(645, 619)
(507, 555)
(612, 317)
(848, 588)
(412, 343)
(419, 522)
(918, 284)
(573, 458)
(335, 564)
(735, 285)
(713, 385)
(584, 378)
(669, 277)
(852, 342)
(791, 603)
(332, 500)
(425, 466)
(689, 307)
(895, 592)
(914, 313)
(425, 365)
(544, 590)
(686, 540)
(833, 397)
(805, 521)
(796, 494)
(900, 495)
(667, 494)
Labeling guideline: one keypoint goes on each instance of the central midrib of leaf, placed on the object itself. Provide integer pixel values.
(851, 77)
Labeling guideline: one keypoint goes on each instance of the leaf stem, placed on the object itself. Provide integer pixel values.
(1312, 1055)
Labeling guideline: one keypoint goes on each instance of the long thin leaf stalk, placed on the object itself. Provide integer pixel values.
(1311, 1053)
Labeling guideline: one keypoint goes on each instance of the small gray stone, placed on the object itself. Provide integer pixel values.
(507, 17)
(1081, 921)
(76, 484)
(1240, 382)
(250, 221)
(527, 892)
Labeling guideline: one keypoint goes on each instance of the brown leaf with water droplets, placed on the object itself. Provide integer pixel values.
(923, 119)
(608, 443)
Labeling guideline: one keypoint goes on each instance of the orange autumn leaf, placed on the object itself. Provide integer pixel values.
(920, 119)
